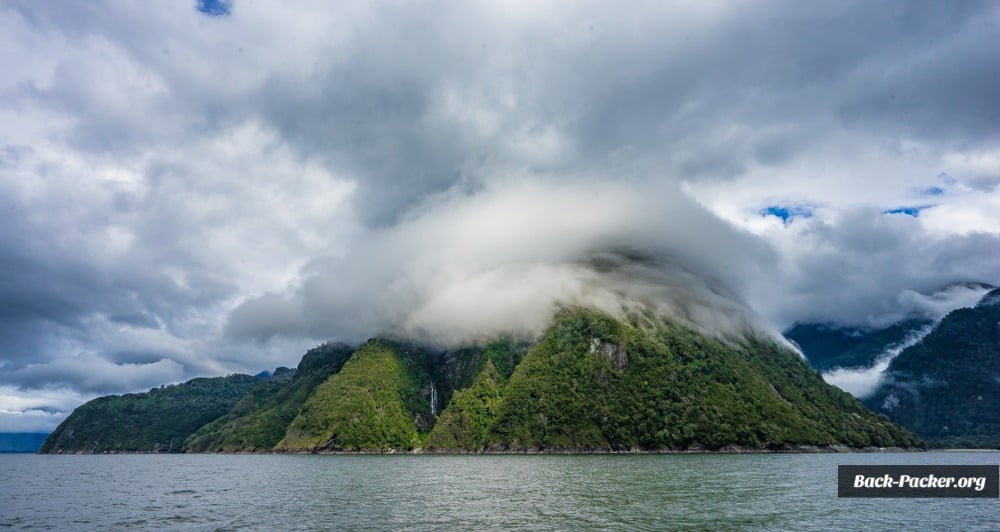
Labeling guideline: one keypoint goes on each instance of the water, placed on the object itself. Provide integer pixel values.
(424, 492)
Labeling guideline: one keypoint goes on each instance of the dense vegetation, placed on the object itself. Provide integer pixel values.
(946, 387)
(259, 421)
(158, 420)
(465, 424)
(828, 347)
(591, 383)
(379, 401)
(594, 383)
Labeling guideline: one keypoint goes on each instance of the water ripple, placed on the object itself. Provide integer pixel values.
(533, 492)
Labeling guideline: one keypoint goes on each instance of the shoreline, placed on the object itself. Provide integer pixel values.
(799, 449)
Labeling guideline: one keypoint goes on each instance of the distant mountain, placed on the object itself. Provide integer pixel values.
(828, 347)
(947, 387)
(21, 442)
(592, 383)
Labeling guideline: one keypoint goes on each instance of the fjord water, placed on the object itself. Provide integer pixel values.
(426, 492)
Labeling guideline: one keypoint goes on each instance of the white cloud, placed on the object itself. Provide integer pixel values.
(95, 374)
(30, 421)
(38, 411)
(858, 382)
(862, 382)
(500, 259)
(865, 268)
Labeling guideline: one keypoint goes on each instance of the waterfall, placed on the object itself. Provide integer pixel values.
(434, 400)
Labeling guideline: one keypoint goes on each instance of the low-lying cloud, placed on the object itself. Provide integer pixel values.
(95, 374)
(499, 259)
(869, 269)
(862, 382)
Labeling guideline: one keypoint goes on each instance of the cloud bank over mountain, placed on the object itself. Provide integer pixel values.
(469, 265)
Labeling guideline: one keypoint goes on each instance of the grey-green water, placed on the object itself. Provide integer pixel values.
(641, 492)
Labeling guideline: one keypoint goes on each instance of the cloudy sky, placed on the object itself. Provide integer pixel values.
(199, 188)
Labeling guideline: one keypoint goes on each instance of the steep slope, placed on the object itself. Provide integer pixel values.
(212, 436)
(594, 383)
(155, 421)
(259, 421)
(379, 401)
(828, 347)
(464, 425)
(456, 369)
(947, 387)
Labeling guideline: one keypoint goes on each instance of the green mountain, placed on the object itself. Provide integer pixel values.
(947, 387)
(828, 347)
(379, 401)
(158, 420)
(591, 383)
(594, 383)
(465, 424)
(259, 421)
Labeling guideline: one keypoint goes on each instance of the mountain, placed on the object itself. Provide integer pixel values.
(828, 347)
(947, 387)
(594, 383)
(379, 401)
(158, 420)
(483, 374)
(259, 421)
(591, 383)
(21, 442)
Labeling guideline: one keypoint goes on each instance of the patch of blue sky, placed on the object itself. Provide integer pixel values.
(913, 210)
(787, 213)
(215, 8)
(933, 191)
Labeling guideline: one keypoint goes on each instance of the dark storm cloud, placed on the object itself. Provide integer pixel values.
(94, 374)
(942, 86)
(671, 98)
(56, 249)
(697, 92)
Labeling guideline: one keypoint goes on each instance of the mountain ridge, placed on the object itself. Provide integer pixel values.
(591, 383)
(947, 387)
(943, 384)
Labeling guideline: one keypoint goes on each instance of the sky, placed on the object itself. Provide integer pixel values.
(201, 188)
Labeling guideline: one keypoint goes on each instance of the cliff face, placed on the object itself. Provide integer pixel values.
(591, 383)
